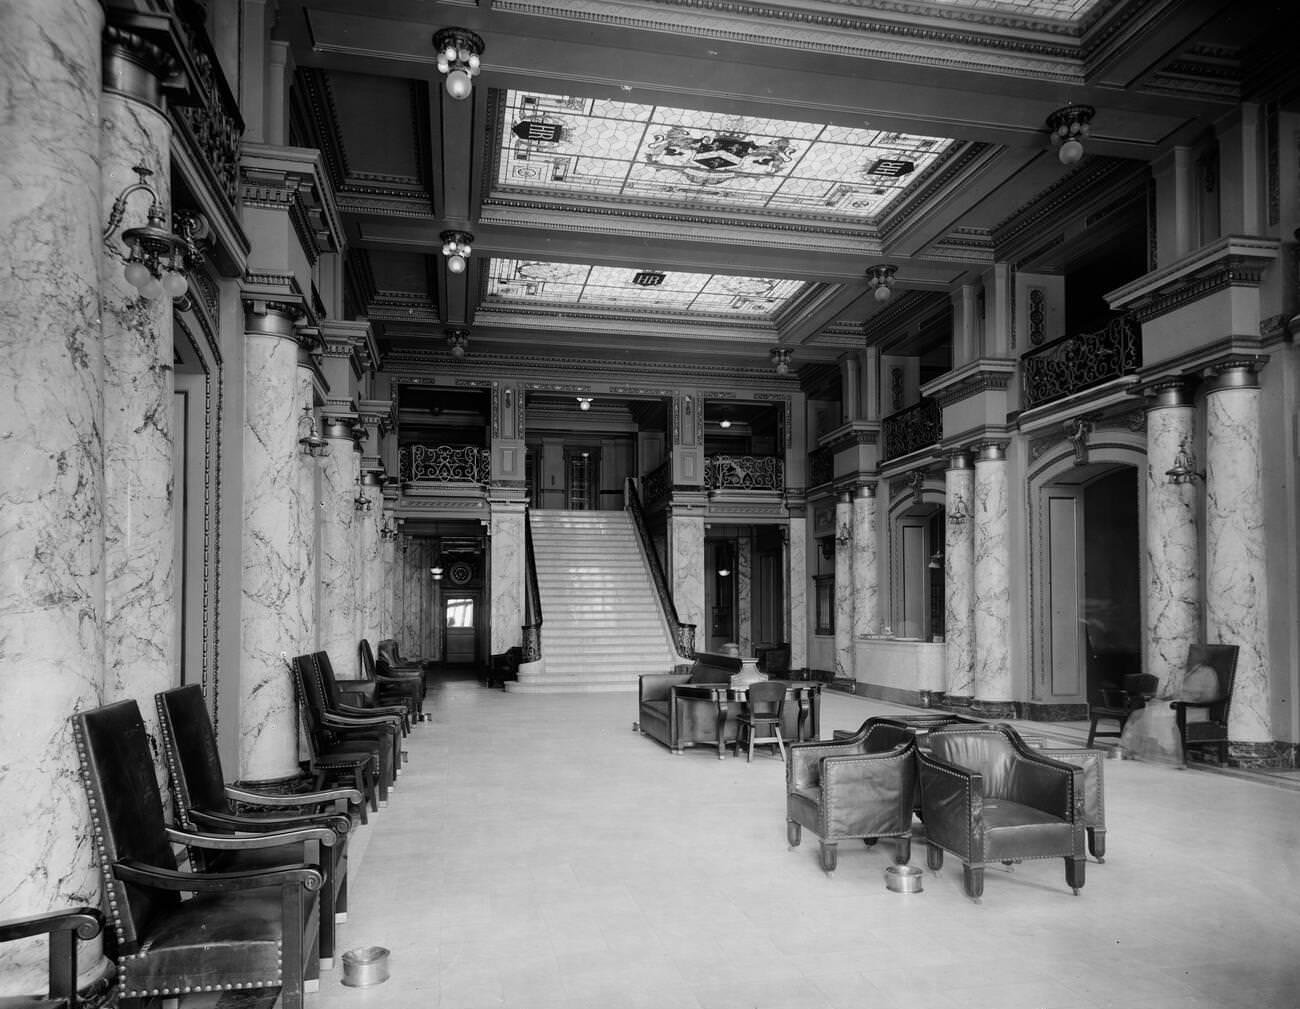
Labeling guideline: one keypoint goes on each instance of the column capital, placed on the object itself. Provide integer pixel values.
(992, 451)
(1168, 391)
(272, 318)
(959, 459)
(1235, 373)
(134, 66)
(867, 490)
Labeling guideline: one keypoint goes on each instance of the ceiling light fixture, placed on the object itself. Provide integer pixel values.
(458, 341)
(459, 50)
(584, 403)
(724, 424)
(155, 257)
(456, 248)
(1069, 126)
(881, 280)
(781, 358)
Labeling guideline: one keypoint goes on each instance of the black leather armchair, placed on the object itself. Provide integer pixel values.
(203, 801)
(334, 697)
(986, 796)
(1116, 704)
(859, 786)
(237, 930)
(1203, 721)
(64, 929)
(391, 686)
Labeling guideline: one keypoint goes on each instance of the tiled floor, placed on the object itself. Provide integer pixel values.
(539, 854)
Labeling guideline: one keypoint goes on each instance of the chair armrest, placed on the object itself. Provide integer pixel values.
(85, 921)
(128, 870)
(659, 686)
(252, 842)
(803, 767)
(386, 722)
(1051, 786)
(952, 805)
(350, 795)
(266, 824)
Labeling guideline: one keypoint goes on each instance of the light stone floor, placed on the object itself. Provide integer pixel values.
(539, 854)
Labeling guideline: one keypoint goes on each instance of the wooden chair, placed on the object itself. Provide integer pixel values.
(1211, 728)
(762, 710)
(64, 929)
(1118, 703)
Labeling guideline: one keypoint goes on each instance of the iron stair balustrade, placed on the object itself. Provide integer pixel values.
(683, 633)
(532, 644)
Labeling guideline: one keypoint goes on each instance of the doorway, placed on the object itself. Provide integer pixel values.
(581, 478)
(460, 619)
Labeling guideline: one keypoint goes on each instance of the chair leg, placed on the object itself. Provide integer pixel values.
(780, 743)
(793, 833)
(933, 857)
(829, 856)
(1097, 843)
(1075, 870)
(903, 854)
(1092, 731)
(749, 734)
(973, 879)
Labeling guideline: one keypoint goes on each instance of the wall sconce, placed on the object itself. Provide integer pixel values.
(959, 513)
(584, 403)
(156, 258)
(459, 50)
(361, 503)
(844, 535)
(312, 443)
(686, 401)
(456, 248)
(936, 560)
(387, 531)
(1184, 468)
(458, 341)
(881, 280)
(1069, 126)
(781, 359)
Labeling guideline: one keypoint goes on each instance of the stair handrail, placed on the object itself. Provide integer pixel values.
(683, 634)
(532, 644)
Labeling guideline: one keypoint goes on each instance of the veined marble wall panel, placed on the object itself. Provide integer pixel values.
(1173, 588)
(687, 567)
(140, 611)
(338, 580)
(507, 588)
(1236, 583)
(271, 617)
(959, 611)
(992, 602)
(51, 485)
(797, 586)
(866, 571)
(410, 619)
(425, 648)
(844, 588)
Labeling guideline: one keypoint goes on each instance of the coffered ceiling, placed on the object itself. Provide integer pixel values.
(687, 184)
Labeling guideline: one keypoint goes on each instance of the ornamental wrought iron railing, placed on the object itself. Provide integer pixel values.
(532, 598)
(1074, 363)
(683, 634)
(658, 486)
(444, 464)
(744, 472)
(917, 427)
(821, 466)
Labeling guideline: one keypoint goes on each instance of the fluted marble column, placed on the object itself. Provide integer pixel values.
(866, 575)
(507, 576)
(140, 600)
(270, 615)
(959, 581)
(1236, 581)
(1173, 584)
(51, 483)
(687, 572)
(338, 576)
(992, 583)
(844, 585)
(797, 589)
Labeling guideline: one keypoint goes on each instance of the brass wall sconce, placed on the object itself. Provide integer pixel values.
(155, 257)
(312, 443)
(1184, 468)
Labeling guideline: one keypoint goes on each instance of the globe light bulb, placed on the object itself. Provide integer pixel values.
(137, 275)
(1071, 151)
(459, 84)
(458, 350)
(175, 284)
(152, 289)
(456, 263)
(882, 293)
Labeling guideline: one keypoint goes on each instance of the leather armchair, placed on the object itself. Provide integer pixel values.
(860, 786)
(391, 686)
(64, 929)
(238, 930)
(203, 801)
(987, 796)
(334, 697)
(1204, 721)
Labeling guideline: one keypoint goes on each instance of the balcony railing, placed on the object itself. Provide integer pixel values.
(444, 464)
(917, 427)
(1074, 363)
(744, 472)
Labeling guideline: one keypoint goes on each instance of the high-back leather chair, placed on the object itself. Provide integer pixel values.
(238, 930)
(64, 929)
(334, 697)
(392, 686)
(203, 801)
(862, 785)
(1203, 721)
(988, 797)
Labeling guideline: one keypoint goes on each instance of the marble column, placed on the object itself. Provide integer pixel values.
(959, 584)
(744, 595)
(409, 621)
(140, 598)
(1236, 577)
(992, 584)
(389, 581)
(426, 599)
(370, 564)
(686, 535)
(866, 573)
(435, 610)
(51, 483)
(338, 577)
(507, 589)
(308, 504)
(1172, 570)
(844, 586)
(270, 617)
(797, 590)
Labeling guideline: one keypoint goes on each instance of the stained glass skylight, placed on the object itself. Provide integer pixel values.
(656, 154)
(542, 284)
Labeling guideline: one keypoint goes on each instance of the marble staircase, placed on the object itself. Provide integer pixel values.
(602, 624)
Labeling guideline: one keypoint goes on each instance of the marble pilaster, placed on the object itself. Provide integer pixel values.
(409, 622)
(844, 586)
(1236, 582)
(270, 615)
(687, 571)
(51, 483)
(338, 577)
(744, 596)
(140, 598)
(959, 584)
(426, 599)
(1172, 571)
(797, 590)
(992, 583)
(507, 589)
(866, 574)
